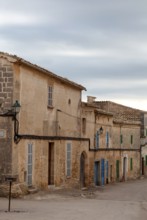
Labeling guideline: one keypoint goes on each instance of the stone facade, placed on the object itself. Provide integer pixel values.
(62, 141)
(115, 152)
(6, 100)
(49, 145)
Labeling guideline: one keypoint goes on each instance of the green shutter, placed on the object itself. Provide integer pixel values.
(121, 138)
(146, 160)
(131, 163)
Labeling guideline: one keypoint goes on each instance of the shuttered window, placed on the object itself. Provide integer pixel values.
(107, 139)
(30, 164)
(50, 96)
(121, 138)
(68, 159)
(97, 139)
(84, 125)
(131, 139)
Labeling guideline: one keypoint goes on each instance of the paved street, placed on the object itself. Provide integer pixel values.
(120, 201)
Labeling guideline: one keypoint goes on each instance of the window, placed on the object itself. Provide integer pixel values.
(50, 96)
(107, 139)
(131, 139)
(84, 125)
(68, 159)
(97, 139)
(121, 138)
(131, 163)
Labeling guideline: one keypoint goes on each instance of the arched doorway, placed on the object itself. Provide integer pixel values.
(82, 169)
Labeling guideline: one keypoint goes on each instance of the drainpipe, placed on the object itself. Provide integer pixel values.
(57, 120)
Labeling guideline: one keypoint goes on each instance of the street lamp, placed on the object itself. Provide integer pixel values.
(15, 109)
(98, 133)
(100, 130)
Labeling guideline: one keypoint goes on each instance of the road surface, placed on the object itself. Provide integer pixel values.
(119, 201)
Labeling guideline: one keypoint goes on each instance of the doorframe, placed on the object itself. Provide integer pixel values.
(51, 164)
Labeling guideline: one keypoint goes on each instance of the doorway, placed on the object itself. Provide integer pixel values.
(124, 168)
(111, 173)
(117, 170)
(82, 170)
(51, 163)
(102, 172)
(142, 165)
(97, 173)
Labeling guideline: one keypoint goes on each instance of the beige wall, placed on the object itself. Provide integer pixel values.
(126, 131)
(36, 118)
(35, 114)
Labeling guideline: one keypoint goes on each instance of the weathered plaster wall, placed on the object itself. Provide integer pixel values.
(36, 117)
(40, 162)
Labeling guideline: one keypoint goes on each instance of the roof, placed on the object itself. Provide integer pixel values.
(16, 59)
(96, 110)
(120, 112)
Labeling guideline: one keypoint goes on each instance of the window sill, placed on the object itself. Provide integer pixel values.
(50, 107)
(68, 177)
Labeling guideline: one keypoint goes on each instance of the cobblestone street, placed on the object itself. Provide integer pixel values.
(120, 201)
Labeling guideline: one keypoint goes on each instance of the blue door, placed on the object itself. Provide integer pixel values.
(96, 173)
(102, 172)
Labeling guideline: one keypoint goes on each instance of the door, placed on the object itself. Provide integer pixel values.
(97, 173)
(124, 168)
(117, 170)
(107, 171)
(82, 170)
(111, 173)
(102, 172)
(51, 164)
(142, 165)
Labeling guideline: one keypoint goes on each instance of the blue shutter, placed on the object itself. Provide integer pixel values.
(102, 172)
(68, 159)
(97, 140)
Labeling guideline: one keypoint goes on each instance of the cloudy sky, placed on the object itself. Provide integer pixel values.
(101, 44)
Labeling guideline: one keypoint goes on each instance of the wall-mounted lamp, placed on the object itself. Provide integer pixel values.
(15, 109)
(100, 130)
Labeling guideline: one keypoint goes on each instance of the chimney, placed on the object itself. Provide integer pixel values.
(90, 99)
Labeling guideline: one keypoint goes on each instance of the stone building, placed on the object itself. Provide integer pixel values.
(58, 140)
(48, 144)
(144, 144)
(114, 132)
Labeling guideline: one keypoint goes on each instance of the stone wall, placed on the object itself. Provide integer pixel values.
(6, 100)
(121, 112)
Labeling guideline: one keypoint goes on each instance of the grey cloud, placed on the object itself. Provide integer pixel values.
(107, 41)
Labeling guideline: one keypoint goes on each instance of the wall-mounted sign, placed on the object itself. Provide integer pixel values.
(2, 133)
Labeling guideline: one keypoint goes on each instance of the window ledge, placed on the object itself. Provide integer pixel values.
(50, 107)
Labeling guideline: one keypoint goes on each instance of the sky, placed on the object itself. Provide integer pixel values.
(100, 44)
